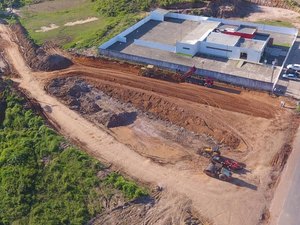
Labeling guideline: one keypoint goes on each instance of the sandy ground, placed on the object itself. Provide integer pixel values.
(45, 28)
(69, 24)
(88, 20)
(253, 117)
(258, 13)
(279, 209)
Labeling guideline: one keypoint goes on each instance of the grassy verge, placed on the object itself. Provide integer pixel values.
(183, 54)
(129, 188)
(41, 180)
(287, 45)
(78, 36)
(279, 23)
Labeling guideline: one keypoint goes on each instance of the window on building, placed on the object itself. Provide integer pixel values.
(186, 48)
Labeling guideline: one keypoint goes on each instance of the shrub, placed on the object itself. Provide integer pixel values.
(130, 189)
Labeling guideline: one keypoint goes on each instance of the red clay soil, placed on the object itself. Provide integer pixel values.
(36, 57)
(176, 112)
(218, 97)
(176, 102)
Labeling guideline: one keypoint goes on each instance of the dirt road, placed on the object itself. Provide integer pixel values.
(255, 118)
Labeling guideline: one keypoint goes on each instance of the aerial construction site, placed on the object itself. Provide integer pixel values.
(211, 152)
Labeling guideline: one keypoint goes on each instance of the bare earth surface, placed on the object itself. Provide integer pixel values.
(250, 124)
(260, 13)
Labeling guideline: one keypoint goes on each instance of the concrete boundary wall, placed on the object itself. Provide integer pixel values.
(135, 26)
(277, 29)
(186, 17)
(122, 36)
(156, 45)
(282, 30)
(228, 78)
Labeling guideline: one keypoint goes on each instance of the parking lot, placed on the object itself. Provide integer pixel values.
(292, 86)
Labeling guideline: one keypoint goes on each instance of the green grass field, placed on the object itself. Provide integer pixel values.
(78, 36)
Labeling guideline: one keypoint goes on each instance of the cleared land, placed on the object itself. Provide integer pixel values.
(59, 13)
(156, 146)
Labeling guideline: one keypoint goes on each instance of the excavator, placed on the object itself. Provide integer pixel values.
(189, 76)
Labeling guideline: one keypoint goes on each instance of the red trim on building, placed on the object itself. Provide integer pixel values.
(243, 35)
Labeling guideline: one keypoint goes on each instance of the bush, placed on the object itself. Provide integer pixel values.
(298, 108)
(40, 183)
(129, 188)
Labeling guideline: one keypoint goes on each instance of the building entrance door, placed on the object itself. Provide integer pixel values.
(243, 55)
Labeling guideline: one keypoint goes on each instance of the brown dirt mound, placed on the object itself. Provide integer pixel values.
(161, 75)
(36, 57)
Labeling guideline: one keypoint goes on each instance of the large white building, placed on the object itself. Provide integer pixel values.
(211, 36)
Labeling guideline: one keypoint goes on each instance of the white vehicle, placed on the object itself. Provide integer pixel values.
(291, 76)
(294, 67)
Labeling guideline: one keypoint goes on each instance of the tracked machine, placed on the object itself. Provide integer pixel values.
(191, 77)
(178, 77)
(220, 167)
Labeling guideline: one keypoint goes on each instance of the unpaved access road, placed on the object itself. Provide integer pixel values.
(224, 203)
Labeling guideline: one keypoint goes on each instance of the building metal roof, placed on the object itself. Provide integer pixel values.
(228, 27)
(236, 28)
(200, 32)
(222, 39)
(246, 30)
(256, 45)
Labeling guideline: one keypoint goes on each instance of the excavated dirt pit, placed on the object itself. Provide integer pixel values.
(160, 140)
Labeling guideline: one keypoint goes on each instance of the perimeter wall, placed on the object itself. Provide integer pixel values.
(227, 78)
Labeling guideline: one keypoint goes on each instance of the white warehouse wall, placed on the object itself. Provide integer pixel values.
(157, 16)
(185, 48)
(213, 49)
(253, 56)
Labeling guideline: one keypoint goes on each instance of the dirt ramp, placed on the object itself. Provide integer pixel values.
(36, 57)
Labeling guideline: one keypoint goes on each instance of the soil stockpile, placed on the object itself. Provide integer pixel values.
(36, 57)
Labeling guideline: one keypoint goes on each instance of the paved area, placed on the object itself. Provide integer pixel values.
(285, 206)
(293, 87)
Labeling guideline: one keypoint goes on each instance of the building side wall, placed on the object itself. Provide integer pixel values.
(185, 48)
(253, 56)
(157, 16)
(122, 36)
(223, 51)
(228, 78)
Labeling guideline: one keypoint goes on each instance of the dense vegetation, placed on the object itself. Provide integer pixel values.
(41, 180)
(121, 7)
(14, 3)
